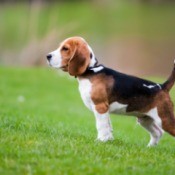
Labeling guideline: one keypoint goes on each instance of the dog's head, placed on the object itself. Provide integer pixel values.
(74, 55)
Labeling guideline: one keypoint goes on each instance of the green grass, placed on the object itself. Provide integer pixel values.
(45, 129)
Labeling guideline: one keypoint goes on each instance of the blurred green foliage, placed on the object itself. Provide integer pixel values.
(21, 23)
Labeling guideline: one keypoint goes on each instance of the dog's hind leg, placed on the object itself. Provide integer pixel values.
(153, 128)
(168, 123)
(166, 114)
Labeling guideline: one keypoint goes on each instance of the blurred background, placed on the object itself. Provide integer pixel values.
(132, 36)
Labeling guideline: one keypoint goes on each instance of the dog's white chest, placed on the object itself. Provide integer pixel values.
(85, 87)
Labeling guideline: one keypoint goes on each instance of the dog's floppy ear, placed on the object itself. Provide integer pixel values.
(80, 59)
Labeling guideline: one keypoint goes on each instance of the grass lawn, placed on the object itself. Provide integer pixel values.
(46, 129)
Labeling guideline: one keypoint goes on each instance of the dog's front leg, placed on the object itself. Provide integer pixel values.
(103, 125)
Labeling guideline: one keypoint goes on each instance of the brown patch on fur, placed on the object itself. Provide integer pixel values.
(67, 51)
(75, 56)
(165, 112)
(139, 103)
(101, 91)
(102, 107)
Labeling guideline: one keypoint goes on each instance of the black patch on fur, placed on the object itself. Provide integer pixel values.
(126, 86)
(91, 55)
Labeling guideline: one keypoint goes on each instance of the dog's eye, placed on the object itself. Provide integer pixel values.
(65, 48)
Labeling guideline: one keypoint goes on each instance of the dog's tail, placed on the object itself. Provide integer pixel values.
(170, 82)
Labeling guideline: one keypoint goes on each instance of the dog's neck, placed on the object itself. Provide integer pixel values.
(91, 70)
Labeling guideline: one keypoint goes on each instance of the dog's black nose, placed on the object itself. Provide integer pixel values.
(49, 56)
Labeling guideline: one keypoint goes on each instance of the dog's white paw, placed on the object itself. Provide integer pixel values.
(151, 144)
(105, 137)
(154, 140)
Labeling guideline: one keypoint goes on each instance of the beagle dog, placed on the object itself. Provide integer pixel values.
(106, 91)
